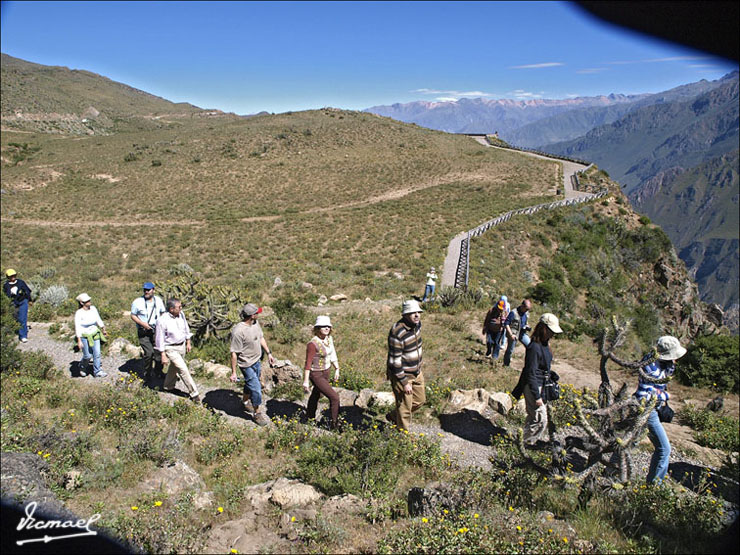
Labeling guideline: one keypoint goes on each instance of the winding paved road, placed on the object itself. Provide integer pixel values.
(453, 249)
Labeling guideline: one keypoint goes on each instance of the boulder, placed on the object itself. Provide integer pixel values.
(121, 345)
(347, 397)
(322, 300)
(434, 498)
(278, 282)
(220, 371)
(307, 285)
(339, 297)
(72, 479)
(293, 493)
(715, 314)
(398, 275)
(500, 402)
(284, 371)
(363, 398)
(382, 399)
(471, 399)
(520, 407)
(343, 504)
(196, 365)
(176, 479)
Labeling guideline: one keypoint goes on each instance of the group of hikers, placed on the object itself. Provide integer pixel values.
(165, 338)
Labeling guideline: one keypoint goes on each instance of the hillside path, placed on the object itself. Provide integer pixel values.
(452, 257)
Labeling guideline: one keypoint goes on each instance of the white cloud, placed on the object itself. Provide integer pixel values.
(453, 95)
(703, 66)
(654, 60)
(590, 70)
(538, 66)
(522, 94)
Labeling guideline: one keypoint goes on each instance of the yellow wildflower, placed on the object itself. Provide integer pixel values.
(157, 503)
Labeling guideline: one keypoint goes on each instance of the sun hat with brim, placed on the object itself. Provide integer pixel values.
(409, 307)
(10, 272)
(83, 298)
(251, 309)
(148, 285)
(551, 321)
(322, 321)
(669, 348)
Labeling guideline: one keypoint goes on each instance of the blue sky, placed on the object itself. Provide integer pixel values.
(246, 57)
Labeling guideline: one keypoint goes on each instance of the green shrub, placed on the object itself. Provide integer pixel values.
(292, 391)
(54, 295)
(351, 378)
(156, 163)
(41, 312)
(130, 157)
(712, 430)
(711, 361)
(10, 356)
(644, 220)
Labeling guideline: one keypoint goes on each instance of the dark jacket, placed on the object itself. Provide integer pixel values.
(536, 368)
(492, 323)
(23, 293)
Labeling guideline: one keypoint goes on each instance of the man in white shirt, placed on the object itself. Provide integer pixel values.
(145, 311)
(172, 339)
(430, 286)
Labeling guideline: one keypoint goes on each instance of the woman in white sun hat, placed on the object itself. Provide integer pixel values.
(536, 369)
(90, 331)
(652, 385)
(320, 357)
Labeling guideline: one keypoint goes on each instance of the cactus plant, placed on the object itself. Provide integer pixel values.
(54, 295)
(211, 310)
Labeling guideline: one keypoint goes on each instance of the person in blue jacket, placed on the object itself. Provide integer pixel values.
(19, 293)
(668, 350)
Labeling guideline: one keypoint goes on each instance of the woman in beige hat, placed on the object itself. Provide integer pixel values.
(536, 370)
(90, 331)
(667, 350)
(320, 357)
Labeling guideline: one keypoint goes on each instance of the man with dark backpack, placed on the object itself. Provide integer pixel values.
(492, 325)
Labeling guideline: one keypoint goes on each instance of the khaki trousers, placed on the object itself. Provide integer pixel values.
(177, 368)
(407, 404)
(535, 426)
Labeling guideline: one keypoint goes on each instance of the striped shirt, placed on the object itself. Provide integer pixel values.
(404, 351)
(659, 370)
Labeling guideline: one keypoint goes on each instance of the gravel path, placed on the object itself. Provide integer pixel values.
(225, 399)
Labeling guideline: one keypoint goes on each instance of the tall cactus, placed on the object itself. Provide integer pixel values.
(211, 310)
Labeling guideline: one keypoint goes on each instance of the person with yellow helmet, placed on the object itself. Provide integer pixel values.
(19, 293)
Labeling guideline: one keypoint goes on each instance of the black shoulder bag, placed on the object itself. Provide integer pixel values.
(665, 413)
(551, 389)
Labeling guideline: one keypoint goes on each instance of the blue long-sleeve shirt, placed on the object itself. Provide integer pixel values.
(659, 370)
(17, 291)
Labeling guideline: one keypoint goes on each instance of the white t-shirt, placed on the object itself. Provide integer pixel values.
(431, 278)
(87, 321)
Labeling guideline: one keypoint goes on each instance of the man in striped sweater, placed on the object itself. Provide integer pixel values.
(404, 364)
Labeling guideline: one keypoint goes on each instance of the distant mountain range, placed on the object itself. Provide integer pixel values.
(675, 152)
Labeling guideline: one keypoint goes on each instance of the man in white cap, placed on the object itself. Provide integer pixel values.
(404, 364)
(431, 284)
(145, 311)
(247, 342)
(19, 293)
(667, 351)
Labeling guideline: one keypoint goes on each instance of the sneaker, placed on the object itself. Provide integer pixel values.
(24, 340)
(101, 374)
(261, 419)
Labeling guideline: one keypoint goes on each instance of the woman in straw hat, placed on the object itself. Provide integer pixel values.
(652, 386)
(537, 363)
(90, 331)
(320, 357)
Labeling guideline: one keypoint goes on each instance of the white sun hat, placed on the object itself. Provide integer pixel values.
(322, 321)
(669, 348)
(83, 297)
(410, 307)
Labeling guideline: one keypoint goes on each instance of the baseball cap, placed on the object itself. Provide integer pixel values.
(551, 321)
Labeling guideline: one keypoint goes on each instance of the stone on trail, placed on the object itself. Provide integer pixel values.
(307, 285)
(434, 498)
(322, 300)
(283, 372)
(347, 397)
(471, 399)
(340, 297)
(178, 478)
(500, 402)
(363, 398)
(121, 345)
(382, 399)
(278, 282)
(217, 370)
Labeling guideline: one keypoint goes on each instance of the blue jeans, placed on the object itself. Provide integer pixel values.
(509, 351)
(252, 385)
(21, 315)
(95, 354)
(498, 342)
(659, 461)
(490, 341)
(428, 291)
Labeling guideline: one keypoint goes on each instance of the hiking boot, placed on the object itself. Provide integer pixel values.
(248, 408)
(100, 374)
(261, 419)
